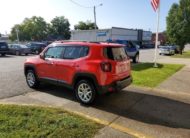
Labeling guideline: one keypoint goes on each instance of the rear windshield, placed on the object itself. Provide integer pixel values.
(115, 53)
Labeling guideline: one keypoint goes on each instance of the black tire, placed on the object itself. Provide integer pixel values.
(26, 54)
(90, 95)
(136, 58)
(35, 84)
(3, 54)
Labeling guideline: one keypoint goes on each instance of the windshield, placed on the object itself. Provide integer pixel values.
(23, 46)
(164, 47)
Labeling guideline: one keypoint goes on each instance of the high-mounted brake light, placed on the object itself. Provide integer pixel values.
(106, 66)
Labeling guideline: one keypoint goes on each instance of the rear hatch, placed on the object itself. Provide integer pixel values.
(119, 61)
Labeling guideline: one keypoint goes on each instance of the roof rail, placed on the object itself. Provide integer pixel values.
(64, 41)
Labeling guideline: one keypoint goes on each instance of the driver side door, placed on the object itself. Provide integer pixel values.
(47, 68)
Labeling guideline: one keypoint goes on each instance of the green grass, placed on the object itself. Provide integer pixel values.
(185, 54)
(38, 122)
(145, 75)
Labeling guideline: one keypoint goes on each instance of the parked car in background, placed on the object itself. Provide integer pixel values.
(166, 50)
(19, 49)
(131, 49)
(36, 47)
(175, 48)
(4, 49)
(88, 68)
(148, 46)
(47, 42)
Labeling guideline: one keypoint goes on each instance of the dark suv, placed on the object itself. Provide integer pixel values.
(87, 68)
(4, 49)
(131, 49)
(36, 47)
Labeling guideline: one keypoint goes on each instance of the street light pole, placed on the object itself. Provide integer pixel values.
(95, 17)
(17, 35)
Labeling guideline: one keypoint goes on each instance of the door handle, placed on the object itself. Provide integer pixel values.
(49, 62)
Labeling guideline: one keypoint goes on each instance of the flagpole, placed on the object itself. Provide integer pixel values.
(157, 31)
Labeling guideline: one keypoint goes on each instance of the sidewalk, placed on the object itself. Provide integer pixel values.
(179, 82)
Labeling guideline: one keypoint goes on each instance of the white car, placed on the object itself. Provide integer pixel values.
(166, 50)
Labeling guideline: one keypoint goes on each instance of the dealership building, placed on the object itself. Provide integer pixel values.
(115, 33)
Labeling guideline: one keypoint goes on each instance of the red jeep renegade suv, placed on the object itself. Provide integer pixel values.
(88, 68)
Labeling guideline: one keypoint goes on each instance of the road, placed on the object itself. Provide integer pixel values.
(12, 80)
(136, 111)
(147, 55)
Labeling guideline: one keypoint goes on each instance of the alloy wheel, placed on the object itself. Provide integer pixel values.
(85, 92)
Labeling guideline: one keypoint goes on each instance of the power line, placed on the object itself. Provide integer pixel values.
(80, 4)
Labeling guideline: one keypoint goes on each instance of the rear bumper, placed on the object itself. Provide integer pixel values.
(115, 86)
(4, 52)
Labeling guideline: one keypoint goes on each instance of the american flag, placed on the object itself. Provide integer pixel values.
(155, 4)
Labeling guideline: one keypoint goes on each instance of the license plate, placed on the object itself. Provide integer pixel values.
(122, 68)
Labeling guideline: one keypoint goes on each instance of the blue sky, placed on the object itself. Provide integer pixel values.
(119, 13)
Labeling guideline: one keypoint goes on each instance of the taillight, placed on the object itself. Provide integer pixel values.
(106, 66)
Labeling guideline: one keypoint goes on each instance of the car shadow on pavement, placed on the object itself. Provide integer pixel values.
(7, 56)
(57, 91)
(133, 105)
(147, 108)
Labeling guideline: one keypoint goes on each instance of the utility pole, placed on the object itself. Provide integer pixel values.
(94, 11)
(95, 25)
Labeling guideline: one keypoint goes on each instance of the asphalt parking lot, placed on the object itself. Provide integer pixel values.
(12, 77)
(149, 114)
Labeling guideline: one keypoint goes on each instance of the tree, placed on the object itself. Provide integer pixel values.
(13, 35)
(60, 28)
(178, 24)
(88, 25)
(34, 28)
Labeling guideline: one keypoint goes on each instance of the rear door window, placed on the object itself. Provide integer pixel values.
(115, 53)
(74, 52)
